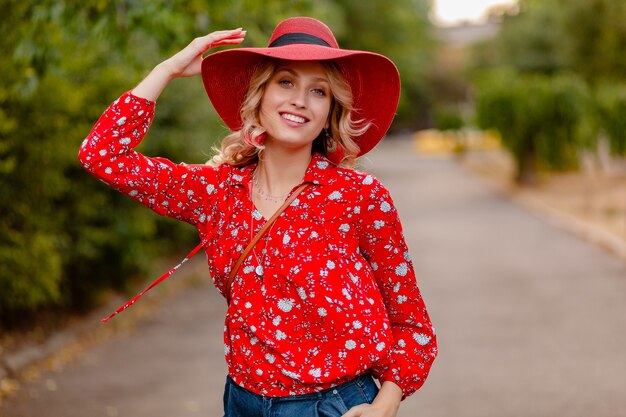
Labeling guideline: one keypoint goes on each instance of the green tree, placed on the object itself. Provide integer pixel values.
(540, 119)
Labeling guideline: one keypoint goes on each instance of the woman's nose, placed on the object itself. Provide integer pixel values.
(298, 98)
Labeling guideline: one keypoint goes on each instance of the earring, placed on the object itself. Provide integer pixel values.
(331, 144)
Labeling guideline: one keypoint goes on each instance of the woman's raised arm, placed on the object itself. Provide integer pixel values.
(186, 63)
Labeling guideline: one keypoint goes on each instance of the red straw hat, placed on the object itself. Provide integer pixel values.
(374, 79)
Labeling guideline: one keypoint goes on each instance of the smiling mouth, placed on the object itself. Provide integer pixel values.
(293, 118)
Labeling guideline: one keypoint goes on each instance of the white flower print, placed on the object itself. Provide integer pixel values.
(368, 180)
(315, 372)
(286, 304)
(402, 270)
(210, 188)
(385, 207)
(357, 324)
(121, 121)
(270, 358)
(125, 141)
(335, 195)
(280, 335)
(401, 299)
(401, 343)
(346, 294)
(108, 170)
(286, 239)
(322, 312)
(259, 372)
(350, 344)
(330, 264)
(290, 374)
(301, 293)
(344, 228)
(378, 224)
(322, 164)
(380, 346)
(421, 338)
(276, 320)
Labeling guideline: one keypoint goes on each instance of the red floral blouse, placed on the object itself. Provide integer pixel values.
(336, 294)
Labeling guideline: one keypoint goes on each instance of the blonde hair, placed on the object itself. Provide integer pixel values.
(241, 147)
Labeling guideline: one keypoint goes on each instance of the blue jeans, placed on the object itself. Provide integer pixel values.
(333, 402)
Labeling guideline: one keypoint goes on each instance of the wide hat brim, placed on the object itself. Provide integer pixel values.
(374, 80)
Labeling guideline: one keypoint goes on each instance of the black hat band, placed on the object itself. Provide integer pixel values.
(294, 38)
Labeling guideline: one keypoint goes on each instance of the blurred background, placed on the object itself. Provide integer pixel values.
(530, 94)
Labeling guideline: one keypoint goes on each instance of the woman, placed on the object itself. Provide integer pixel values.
(326, 299)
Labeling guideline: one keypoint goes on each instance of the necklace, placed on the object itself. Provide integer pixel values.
(267, 196)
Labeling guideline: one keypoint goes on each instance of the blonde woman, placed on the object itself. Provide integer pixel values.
(308, 252)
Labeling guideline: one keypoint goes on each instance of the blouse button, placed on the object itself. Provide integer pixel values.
(335, 392)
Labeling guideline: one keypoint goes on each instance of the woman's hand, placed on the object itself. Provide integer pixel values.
(385, 404)
(185, 63)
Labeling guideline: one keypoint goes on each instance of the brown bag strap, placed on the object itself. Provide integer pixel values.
(260, 233)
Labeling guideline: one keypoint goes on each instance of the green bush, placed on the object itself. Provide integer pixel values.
(539, 118)
(611, 105)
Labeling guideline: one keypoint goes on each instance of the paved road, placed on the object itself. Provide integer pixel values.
(531, 321)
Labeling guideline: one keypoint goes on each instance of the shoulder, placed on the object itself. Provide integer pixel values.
(365, 184)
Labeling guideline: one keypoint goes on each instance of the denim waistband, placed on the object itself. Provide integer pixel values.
(360, 381)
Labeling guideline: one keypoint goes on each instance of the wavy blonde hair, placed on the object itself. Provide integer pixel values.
(242, 147)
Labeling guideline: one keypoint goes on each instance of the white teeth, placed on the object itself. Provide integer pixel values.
(293, 118)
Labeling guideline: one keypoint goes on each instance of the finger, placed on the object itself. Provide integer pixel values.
(224, 34)
(356, 411)
(227, 42)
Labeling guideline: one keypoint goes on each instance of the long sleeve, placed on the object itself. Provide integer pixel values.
(174, 190)
(382, 243)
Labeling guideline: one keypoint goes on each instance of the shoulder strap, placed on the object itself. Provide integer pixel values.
(255, 239)
(233, 272)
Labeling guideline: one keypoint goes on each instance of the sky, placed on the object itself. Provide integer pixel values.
(449, 12)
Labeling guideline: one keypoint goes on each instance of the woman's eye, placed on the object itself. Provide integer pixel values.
(285, 83)
(319, 91)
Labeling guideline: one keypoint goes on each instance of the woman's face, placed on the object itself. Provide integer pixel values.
(296, 103)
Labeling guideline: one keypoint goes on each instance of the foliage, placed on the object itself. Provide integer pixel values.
(582, 37)
(539, 118)
(448, 117)
(611, 106)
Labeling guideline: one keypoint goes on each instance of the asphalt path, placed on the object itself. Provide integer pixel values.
(530, 319)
